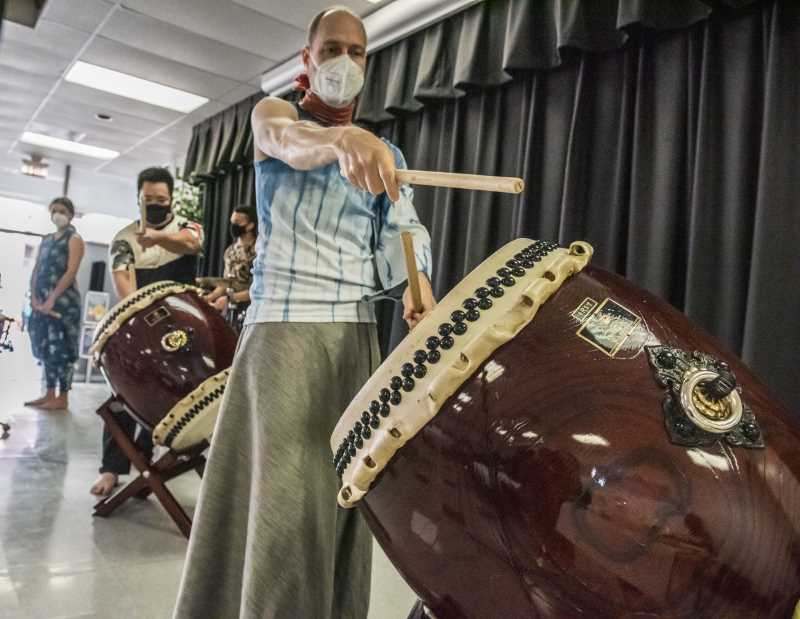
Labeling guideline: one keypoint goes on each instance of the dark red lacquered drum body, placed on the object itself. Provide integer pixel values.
(555, 482)
(161, 348)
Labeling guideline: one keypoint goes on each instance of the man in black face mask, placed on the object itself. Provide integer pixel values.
(239, 256)
(166, 249)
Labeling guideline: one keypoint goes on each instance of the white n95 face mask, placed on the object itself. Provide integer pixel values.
(338, 81)
(59, 220)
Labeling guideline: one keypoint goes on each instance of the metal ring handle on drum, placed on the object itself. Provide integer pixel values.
(691, 402)
(177, 340)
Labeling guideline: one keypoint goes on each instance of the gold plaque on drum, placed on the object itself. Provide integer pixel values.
(174, 340)
(608, 326)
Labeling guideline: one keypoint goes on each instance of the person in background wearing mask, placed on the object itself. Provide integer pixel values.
(166, 250)
(56, 302)
(239, 257)
(268, 539)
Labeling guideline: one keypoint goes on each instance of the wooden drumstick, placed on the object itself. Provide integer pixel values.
(411, 268)
(505, 184)
(142, 217)
(51, 313)
(132, 275)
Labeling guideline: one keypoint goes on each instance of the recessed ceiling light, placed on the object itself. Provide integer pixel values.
(125, 85)
(103, 117)
(34, 166)
(48, 141)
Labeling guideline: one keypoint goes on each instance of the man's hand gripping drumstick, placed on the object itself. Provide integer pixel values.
(418, 298)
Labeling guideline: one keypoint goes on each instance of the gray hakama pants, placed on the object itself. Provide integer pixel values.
(269, 540)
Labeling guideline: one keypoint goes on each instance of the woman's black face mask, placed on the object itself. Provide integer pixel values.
(156, 213)
(237, 230)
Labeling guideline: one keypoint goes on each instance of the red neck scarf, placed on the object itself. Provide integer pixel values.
(324, 113)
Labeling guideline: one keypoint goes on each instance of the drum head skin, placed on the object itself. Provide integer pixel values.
(561, 477)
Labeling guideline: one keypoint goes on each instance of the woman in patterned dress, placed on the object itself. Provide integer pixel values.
(56, 302)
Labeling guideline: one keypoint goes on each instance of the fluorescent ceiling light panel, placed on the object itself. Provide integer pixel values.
(125, 85)
(48, 141)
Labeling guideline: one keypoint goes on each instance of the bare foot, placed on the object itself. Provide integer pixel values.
(50, 394)
(58, 403)
(104, 484)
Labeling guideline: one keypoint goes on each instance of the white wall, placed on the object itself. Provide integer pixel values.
(91, 192)
(15, 270)
(24, 216)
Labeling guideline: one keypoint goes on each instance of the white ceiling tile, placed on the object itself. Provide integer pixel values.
(159, 155)
(14, 115)
(146, 65)
(14, 79)
(32, 59)
(131, 165)
(19, 100)
(242, 91)
(56, 155)
(205, 111)
(177, 138)
(83, 15)
(169, 41)
(115, 141)
(99, 100)
(300, 14)
(123, 128)
(56, 40)
(229, 23)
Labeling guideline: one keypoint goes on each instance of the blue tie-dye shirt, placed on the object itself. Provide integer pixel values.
(320, 241)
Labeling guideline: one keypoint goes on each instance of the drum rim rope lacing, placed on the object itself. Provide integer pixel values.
(132, 304)
(549, 264)
(208, 394)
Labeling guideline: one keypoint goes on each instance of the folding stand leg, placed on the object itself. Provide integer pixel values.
(152, 476)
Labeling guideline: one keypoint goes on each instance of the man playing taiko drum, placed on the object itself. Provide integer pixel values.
(164, 249)
(268, 539)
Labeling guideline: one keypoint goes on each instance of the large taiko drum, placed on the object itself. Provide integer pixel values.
(165, 352)
(553, 441)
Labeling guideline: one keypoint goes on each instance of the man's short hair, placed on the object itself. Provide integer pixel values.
(66, 203)
(155, 175)
(250, 212)
(314, 25)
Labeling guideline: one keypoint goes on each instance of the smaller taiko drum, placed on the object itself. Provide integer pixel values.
(166, 354)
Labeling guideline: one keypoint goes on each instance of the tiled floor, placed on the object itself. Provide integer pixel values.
(56, 561)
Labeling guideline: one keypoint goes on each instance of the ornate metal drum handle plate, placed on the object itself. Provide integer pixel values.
(712, 415)
(703, 403)
(175, 340)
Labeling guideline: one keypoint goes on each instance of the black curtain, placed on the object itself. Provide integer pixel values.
(220, 159)
(663, 133)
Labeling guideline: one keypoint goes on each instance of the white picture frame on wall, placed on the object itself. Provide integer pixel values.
(95, 306)
(86, 341)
